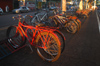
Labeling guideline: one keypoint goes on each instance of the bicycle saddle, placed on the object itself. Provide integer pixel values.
(40, 24)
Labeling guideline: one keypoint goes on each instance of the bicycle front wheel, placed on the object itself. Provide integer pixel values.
(53, 49)
(15, 38)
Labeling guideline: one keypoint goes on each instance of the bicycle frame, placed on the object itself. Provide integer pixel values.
(49, 41)
(60, 21)
(39, 19)
(36, 16)
(44, 16)
(37, 31)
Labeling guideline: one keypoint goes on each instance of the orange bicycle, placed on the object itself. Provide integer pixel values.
(45, 39)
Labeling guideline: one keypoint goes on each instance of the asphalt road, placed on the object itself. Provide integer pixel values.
(81, 49)
(6, 20)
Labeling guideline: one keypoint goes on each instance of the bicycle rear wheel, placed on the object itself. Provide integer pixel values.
(79, 23)
(62, 41)
(15, 39)
(53, 49)
(71, 27)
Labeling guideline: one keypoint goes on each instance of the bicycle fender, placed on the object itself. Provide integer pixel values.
(62, 35)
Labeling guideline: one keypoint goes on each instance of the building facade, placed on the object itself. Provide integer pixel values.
(4, 3)
(28, 3)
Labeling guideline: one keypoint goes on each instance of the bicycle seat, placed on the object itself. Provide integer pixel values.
(40, 25)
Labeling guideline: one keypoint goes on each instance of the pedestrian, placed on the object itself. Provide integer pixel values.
(7, 9)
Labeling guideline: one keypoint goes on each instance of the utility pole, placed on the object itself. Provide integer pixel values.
(63, 5)
(94, 4)
(23, 2)
(81, 5)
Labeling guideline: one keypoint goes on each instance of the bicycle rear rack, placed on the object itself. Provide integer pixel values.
(6, 48)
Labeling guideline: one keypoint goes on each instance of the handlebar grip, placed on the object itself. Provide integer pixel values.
(19, 17)
(14, 17)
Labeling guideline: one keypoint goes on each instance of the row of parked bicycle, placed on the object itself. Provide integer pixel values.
(83, 13)
(42, 31)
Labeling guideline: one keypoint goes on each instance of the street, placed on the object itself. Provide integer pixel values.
(6, 20)
(81, 48)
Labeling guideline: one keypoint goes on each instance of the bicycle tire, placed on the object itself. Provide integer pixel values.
(15, 39)
(76, 23)
(62, 41)
(47, 54)
(71, 27)
(79, 23)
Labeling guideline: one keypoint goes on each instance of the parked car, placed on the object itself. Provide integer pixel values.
(21, 9)
(1, 11)
(53, 8)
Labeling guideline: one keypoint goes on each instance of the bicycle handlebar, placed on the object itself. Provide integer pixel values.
(19, 17)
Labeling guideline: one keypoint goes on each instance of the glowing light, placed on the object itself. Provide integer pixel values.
(81, 5)
(63, 5)
(94, 7)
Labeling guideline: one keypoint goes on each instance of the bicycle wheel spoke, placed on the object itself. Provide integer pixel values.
(54, 47)
(51, 54)
(52, 41)
(52, 50)
(15, 42)
(19, 40)
(55, 51)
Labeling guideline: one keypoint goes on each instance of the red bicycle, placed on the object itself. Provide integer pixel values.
(48, 43)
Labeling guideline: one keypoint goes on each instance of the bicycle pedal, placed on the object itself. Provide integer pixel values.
(30, 47)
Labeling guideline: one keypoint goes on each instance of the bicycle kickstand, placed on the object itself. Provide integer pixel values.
(30, 47)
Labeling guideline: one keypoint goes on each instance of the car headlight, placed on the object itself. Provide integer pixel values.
(17, 11)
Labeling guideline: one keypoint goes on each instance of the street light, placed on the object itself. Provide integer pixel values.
(24, 2)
